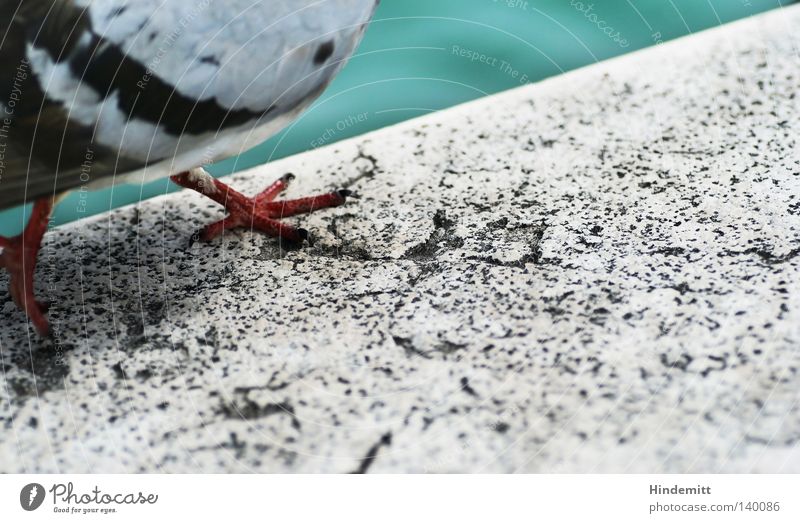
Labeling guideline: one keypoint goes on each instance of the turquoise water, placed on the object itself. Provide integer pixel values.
(421, 56)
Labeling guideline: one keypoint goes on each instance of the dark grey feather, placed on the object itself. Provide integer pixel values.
(42, 152)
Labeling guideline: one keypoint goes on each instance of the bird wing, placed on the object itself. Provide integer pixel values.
(133, 82)
(42, 151)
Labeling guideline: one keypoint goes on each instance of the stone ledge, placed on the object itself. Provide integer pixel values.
(598, 273)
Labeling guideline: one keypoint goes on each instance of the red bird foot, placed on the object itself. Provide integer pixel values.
(19, 259)
(260, 212)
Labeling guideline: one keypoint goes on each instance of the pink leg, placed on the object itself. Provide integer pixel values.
(19, 259)
(260, 212)
(277, 187)
(288, 208)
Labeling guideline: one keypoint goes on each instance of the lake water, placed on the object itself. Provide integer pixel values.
(421, 56)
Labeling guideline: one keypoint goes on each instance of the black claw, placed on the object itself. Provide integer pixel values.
(288, 177)
(347, 193)
(304, 235)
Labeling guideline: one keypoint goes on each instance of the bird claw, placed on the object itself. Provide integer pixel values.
(262, 212)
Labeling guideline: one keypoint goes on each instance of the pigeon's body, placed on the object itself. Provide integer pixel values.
(96, 92)
(105, 91)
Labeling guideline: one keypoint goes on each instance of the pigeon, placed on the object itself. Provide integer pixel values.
(99, 92)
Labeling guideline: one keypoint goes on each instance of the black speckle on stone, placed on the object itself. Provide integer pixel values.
(681, 363)
(502, 223)
(501, 427)
(682, 288)
(467, 388)
(144, 374)
(118, 371)
(670, 251)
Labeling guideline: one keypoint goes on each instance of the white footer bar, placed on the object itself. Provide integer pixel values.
(399, 498)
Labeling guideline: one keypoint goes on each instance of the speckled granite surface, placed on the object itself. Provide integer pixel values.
(597, 273)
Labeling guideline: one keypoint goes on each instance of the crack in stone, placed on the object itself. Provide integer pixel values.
(533, 243)
(443, 347)
(367, 461)
(369, 172)
(249, 410)
(440, 239)
(766, 256)
(271, 386)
